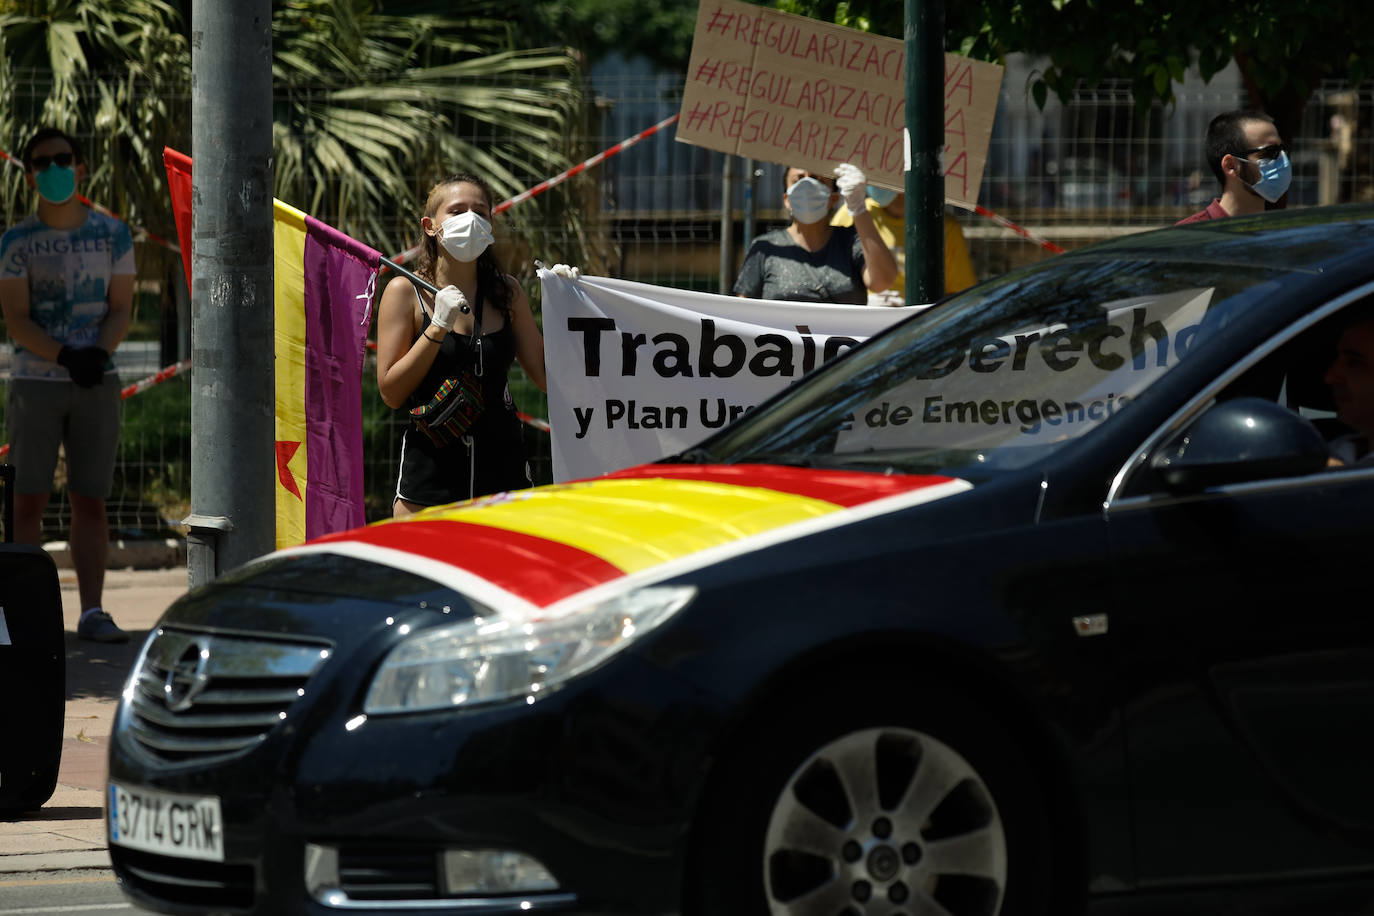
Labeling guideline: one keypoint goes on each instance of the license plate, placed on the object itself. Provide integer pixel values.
(185, 826)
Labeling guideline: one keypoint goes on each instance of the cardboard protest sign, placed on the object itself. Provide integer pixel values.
(784, 88)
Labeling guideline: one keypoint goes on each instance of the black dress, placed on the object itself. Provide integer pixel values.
(491, 457)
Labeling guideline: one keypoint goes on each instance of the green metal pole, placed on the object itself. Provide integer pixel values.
(924, 35)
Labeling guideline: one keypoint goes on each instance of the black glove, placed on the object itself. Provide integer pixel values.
(86, 364)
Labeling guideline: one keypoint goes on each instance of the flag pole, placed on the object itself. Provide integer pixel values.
(420, 282)
(413, 278)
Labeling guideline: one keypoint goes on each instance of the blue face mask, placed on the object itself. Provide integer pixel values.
(56, 184)
(1275, 176)
(881, 196)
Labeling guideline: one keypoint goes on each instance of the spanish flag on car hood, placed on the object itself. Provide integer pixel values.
(532, 553)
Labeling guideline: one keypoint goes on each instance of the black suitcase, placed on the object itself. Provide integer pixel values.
(33, 669)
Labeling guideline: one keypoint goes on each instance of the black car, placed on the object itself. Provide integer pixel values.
(1045, 600)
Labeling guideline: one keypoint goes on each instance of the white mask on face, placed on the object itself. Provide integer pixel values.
(465, 235)
(809, 200)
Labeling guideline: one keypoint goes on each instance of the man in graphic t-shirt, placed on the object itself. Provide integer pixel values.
(66, 290)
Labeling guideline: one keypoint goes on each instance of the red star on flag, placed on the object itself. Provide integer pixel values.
(285, 451)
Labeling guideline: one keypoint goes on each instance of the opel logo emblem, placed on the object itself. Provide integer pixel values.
(186, 678)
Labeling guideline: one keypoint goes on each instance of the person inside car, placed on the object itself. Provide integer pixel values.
(1351, 378)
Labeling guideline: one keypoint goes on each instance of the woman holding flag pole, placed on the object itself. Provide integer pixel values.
(445, 356)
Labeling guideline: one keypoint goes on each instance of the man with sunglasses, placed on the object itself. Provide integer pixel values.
(66, 291)
(1248, 157)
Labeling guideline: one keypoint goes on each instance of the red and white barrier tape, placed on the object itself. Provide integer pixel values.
(561, 177)
(583, 166)
(175, 369)
(542, 425)
(1003, 221)
(160, 375)
(547, 183)
(129, 391)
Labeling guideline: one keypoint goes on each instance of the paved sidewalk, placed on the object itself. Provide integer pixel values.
(69, 831)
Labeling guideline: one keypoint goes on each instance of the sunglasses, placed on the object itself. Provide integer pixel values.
(1266, 152)
(39, 163)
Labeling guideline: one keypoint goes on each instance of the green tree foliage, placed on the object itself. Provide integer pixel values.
(116, 73)
(374, 102)
(660, 31)
(1284, 48)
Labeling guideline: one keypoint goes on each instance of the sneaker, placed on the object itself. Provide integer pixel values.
(98, 626)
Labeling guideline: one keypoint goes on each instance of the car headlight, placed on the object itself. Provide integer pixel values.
(486, 660)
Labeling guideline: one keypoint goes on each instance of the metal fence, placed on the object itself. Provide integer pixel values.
(668, 213)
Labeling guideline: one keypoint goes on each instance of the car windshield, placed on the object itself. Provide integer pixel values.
(1000, 376)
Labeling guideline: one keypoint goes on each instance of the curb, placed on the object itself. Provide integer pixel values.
(149, 554)
(54, 861)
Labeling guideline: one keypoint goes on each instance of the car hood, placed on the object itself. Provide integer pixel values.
(536, 553)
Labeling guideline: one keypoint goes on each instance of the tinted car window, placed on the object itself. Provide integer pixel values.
(1004, 374)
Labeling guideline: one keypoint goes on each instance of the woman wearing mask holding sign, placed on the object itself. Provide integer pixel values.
(444, 357)
(811, 261)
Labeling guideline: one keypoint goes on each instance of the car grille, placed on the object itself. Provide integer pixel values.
(202, 695)
(185, 881)
(388, 874)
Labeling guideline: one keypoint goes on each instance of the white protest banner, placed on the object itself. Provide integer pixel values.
(637, 372)
(788, 89)
(1036, 384)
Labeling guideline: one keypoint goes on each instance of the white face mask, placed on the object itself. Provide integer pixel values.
(809, 200)
(465, 235)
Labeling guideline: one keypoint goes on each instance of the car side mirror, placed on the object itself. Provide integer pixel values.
(1240, 440)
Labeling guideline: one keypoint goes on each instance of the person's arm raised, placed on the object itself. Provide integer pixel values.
(402, 361)
(880, 268)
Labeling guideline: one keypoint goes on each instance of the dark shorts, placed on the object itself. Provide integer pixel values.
(41, 415)
(485, 464)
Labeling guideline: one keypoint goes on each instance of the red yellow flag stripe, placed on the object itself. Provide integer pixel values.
(844, 488)
(521, 564)
(545, 545)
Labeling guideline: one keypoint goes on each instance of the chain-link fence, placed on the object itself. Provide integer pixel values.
(676, 215)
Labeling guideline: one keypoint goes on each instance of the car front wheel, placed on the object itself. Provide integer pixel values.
(881, 818)
(923, 807)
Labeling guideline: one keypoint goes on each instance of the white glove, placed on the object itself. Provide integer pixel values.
(851, 182)
(566, 270)
(448, 302)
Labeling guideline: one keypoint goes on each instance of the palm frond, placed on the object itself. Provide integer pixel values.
(369, 109)
(65, 54)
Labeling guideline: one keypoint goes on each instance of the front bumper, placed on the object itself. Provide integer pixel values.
(595, 782)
